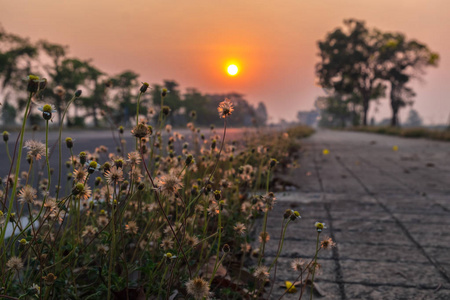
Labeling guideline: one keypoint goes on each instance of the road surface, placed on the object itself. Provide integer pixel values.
(388, 211)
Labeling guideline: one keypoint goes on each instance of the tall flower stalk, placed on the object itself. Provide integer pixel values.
(75, 96)
(35, 84)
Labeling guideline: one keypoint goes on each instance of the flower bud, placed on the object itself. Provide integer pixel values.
(124, 185)
(287, 214)
(106, 167)
(319, 226)
(272, 162)
(47, 111)
(93, 166)
(295, 215)
(33, 83)
(83, 157)
(118, 163)
(78, 93)
(144, 87)
(189, 159)
(77, 189)
(5, 136)
(166, 110)
(69, 142)
(194, 190)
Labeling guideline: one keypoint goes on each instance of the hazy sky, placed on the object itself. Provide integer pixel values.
(273, 42)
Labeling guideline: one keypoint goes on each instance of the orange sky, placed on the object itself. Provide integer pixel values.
(273, 42)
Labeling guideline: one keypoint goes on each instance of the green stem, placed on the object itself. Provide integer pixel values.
(59, 140)
(16, 175)
(263, 242)
(7, 152)
(218, 245)
(47, 161)
(280, 246)
(162, 281)
(314, 265)
(137, 116)
(275, 261)
(113, 244)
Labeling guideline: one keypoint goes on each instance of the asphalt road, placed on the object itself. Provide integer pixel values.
(88, 140)
(388, 211)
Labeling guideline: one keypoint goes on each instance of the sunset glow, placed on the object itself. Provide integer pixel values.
(277, 43)
(232, 70)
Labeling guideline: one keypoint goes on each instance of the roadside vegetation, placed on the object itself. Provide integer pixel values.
(164, 217)
(419, 132)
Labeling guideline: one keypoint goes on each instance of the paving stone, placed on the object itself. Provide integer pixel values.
(440, 254)
(296, 249)
(388, 237)
(387, 253)
(387, 211)
(418, 275)
(422, 218)
(357, 291)
(439, 238)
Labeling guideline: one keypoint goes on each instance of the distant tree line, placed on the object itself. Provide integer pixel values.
(106, 98)
(358, 65)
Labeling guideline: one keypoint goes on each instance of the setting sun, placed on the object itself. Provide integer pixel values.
(232, 70)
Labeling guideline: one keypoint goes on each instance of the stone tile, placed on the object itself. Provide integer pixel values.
(295, 249)
(365, 226)
(423, 218)
(439, 238)
(439, 254)
(357, 291)
(359, 215)
(381, 253)
(394, 237)
(417, 275)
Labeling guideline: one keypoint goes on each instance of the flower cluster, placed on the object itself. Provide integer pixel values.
(172, 212)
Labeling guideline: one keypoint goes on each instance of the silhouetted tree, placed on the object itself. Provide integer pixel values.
(261, 114)
(95, 80)
(401, 60)
(69, 73)
(334, 110)
(126, 85)
(16, 54)
(172, 100)
(349, 63)
(194, 100)
(9, 113)
(414, 119)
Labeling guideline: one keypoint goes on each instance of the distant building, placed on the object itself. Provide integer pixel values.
(308, 117)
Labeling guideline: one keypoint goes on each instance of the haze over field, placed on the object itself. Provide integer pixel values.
(274, 43)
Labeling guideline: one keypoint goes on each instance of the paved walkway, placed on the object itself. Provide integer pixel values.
(388, 211)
